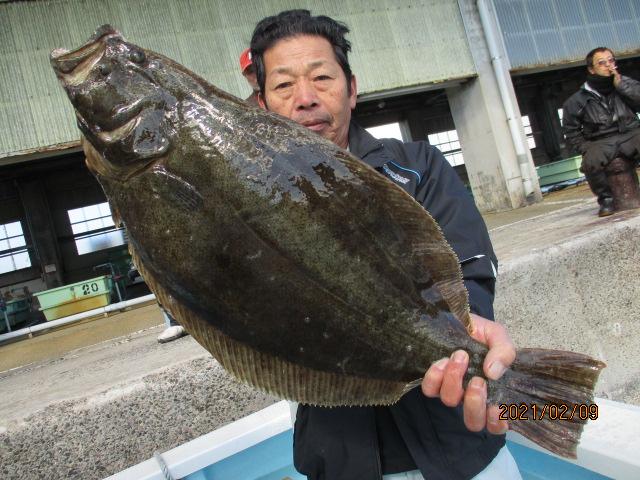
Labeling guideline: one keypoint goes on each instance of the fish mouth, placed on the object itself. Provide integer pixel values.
(73, 67)
(120, 132)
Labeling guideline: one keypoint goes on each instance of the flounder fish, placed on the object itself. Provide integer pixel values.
(302, 270)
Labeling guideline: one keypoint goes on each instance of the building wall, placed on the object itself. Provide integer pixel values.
(546, 33)
(395, 45)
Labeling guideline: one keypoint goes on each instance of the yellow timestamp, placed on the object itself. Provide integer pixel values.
(548, 411)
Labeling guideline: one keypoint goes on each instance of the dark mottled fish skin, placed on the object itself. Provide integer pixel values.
(305, 272)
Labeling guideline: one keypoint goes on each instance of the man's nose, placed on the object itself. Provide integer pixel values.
(305, 95)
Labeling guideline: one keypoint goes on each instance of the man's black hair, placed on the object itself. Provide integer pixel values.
(591, 54)
(292, 23)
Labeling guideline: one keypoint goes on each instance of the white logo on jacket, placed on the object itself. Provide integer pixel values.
(394, 175)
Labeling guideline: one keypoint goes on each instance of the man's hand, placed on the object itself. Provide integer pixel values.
(444, 377)
(616, 75)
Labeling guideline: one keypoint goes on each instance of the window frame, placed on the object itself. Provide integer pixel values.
(12, 252)
(82, 238)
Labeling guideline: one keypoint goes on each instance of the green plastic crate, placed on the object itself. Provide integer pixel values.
(18, 310)
(18, 305)
(560, 171)
(75, 298)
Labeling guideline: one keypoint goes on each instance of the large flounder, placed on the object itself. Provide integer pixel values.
(301, 269)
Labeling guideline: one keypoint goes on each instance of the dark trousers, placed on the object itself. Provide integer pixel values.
(599, 153)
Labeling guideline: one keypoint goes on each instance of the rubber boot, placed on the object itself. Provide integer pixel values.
(600, 187)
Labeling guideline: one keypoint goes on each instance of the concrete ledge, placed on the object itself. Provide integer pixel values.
(578, 290)
(567, 280)
(107, 431)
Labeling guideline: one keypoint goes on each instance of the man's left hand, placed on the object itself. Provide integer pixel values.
(444, 377)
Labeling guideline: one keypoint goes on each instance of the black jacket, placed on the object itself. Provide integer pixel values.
(587, 115)
(362, 443)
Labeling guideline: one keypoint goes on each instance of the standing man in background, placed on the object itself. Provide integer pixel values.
(600, 122)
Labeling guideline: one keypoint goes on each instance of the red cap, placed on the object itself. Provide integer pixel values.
(245, 59)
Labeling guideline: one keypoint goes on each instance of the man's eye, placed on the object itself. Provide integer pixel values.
(323, 77)
(282, 85)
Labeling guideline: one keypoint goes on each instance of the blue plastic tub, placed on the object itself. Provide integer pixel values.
(260, 446)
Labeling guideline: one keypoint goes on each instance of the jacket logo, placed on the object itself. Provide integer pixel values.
(394, 175)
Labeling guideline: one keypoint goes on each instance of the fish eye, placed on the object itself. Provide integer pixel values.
(104, 69)
(137, 56)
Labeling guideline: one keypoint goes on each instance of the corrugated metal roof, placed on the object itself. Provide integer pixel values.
(551, 32)
(395, 44)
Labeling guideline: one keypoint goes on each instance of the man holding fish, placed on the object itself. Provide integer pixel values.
(331, 278)
(303, 74)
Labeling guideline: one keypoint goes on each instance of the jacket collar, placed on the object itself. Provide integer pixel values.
(588, 88)
(366, 147)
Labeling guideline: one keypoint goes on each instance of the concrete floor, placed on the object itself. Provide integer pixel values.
(553, 201)
(57, 342)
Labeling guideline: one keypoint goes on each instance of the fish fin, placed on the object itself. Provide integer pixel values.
(431, 258)
(183, 194)
(94, 161)
(115, 215)
(279, 377)
(411, 385)
(559, 383)
(271, 374)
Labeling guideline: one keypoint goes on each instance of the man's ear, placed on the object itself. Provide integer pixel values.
(262, 102)
(353, 96)
(591, 70)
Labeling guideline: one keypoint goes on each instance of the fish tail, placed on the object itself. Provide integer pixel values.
(547, 396)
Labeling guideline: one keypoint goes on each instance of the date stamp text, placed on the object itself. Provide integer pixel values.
(550, 411)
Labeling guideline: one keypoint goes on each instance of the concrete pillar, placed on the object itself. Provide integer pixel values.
(494, 169)
(42, 232)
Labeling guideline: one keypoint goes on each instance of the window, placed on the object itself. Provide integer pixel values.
(389, 130)
(93, 228)
(13, 248)
(449, 145)
(526, 124)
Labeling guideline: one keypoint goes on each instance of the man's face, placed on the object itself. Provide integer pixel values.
(604, 63)
(305, 83)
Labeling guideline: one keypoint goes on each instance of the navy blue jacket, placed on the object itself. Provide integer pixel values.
(363, 443)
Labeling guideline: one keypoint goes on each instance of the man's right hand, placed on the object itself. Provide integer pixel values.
(616, 75)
